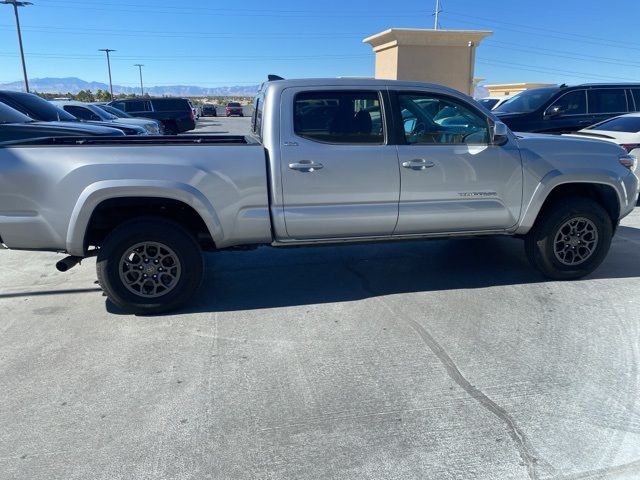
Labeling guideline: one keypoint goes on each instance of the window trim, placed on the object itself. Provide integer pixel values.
(383, 117)
(398, 122)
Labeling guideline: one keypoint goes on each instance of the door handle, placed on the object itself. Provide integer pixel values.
(418, 164)
(306, 166)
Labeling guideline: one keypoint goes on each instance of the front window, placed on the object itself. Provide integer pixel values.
(572, 103)
(527, 101)
(488, 103)
(347, 117)
(81, 112)
(432, 119)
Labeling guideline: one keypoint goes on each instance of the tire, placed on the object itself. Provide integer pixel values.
(570, 239)
(170, 129)
(171, 253)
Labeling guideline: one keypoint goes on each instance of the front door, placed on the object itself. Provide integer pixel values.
(453, 179)
(340, 179)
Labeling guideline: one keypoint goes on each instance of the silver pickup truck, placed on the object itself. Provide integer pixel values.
(331, 160)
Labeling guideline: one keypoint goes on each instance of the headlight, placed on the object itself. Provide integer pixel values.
(152, 128)
(629, 161)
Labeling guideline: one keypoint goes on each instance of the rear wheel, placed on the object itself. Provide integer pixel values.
(570, 239)
(149, 266)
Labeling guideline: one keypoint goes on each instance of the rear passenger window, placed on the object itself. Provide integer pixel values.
(351, 117)
(171, 104)
(572, 103)
(609, 100)
(135, 106)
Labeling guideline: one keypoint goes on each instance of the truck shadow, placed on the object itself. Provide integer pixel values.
(271, 278)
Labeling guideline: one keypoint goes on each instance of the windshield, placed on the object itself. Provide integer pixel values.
(114, 111)
(527, 101)
(103, 114)
(619, 124)
(9, 115)
(234, 104)
(488, 103)
(39, 109)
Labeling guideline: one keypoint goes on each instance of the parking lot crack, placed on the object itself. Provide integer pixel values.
(525, 449)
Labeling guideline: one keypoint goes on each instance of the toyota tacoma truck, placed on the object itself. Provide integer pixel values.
(328, 161)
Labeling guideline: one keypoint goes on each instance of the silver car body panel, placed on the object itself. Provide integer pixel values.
(49, 193)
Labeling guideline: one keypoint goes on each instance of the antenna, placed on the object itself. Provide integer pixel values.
(436, 14)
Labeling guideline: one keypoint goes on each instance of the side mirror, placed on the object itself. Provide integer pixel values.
(553, 111)
(500, 133)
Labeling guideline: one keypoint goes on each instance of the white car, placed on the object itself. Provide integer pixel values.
(493, 102)
(623, 130)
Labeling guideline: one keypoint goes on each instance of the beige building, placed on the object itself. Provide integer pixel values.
(446, 57)
(502, 89)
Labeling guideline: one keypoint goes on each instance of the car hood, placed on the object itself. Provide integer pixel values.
(80, 127)
(561, 151)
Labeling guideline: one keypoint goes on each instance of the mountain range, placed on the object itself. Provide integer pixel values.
(74, 85)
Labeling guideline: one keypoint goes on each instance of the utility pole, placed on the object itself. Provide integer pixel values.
(107, 51)
(17, 4)
(139, 65)
(436, 14)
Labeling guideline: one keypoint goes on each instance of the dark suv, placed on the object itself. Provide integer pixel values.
(175, 114)
(566, 109)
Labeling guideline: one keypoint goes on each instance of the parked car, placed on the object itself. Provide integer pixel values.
(209, 110)
(194, 109)
(154, 127)
(568, 109)
(491, 103)
(294, 182)
(16, 126)
(175, 114)
(37, 108)
(234, 108)
(92, 113)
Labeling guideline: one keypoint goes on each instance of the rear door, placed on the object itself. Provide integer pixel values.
(605, 103)
(453, 179)
(340, 178)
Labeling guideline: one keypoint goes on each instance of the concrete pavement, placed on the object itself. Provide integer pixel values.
(417, 360)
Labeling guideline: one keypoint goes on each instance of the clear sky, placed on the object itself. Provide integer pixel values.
(209, 43)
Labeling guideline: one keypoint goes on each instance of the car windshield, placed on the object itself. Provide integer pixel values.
(619, 124)
(40, 109)
(234, 104)
(9, 115)
(103, 114)
(527, 101)
(488, 103)
(114, 111)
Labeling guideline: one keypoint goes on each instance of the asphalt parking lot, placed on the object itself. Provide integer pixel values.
(414, 360)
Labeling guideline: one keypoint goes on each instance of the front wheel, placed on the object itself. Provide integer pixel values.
(570, 239)
(149, 266)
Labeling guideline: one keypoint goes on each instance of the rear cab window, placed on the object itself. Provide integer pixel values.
(339, 117)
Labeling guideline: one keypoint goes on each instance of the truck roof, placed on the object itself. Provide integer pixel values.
(354, 82)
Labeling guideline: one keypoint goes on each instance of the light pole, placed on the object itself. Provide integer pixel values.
(107, 51)
(17, 4)
(139, 65)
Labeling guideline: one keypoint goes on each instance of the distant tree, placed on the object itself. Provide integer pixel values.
(102, 96)
(85, 96)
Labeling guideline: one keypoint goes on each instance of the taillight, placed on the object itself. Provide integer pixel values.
(630, 146)
(193, 115)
